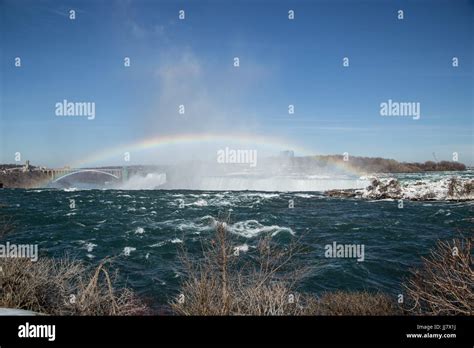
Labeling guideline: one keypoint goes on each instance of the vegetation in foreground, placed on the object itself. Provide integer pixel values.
(63, 287)
(444, 284)
(264, 282)
(222, 283)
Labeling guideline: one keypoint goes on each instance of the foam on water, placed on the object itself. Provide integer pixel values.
(127, 250)
(168, 241)
(241, 248)
(253, 228)
(198, 203)
(90, 246)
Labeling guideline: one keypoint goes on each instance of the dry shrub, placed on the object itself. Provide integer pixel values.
(63, 287)
(444, 284)
(354, 303)
(223, 283)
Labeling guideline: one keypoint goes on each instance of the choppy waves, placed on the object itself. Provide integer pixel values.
(245, 228)
(144, 230)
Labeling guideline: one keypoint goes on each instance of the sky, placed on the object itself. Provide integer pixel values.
(190, 62)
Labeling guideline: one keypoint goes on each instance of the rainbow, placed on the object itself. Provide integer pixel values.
(276, 144)
(184, 139)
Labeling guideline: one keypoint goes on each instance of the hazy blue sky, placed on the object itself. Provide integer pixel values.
(282, 62)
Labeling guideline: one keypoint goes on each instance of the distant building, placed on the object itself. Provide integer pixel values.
(26, 167)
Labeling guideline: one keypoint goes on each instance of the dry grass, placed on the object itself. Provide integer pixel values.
(444, 285)
(355, 303)
(63, 287)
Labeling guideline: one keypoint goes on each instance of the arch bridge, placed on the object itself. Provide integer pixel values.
(61, 173)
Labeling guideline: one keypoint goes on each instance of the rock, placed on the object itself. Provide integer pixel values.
(379, 189)
(450, 189)
(341, 193)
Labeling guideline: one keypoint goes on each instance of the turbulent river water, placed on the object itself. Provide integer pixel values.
(144, 229)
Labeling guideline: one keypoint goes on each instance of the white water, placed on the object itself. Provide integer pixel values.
(413, 186)
(149, 182)
(252, 228)
(271, 183)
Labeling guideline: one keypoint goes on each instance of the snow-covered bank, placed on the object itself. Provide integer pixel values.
(445, 189)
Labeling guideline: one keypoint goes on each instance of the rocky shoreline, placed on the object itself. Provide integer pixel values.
(33, 179)
(448, 189)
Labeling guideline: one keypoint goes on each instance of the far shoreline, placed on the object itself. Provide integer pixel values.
(30, 176)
